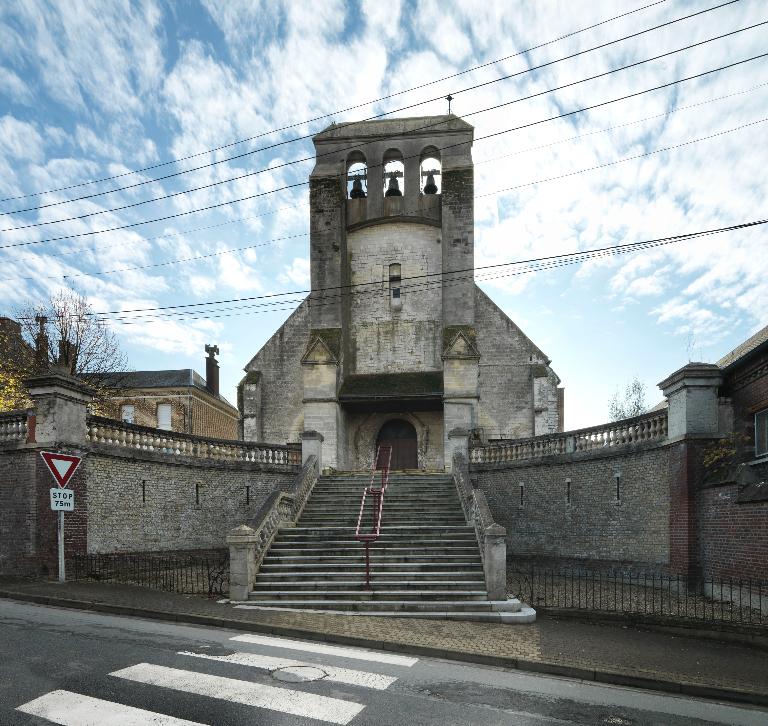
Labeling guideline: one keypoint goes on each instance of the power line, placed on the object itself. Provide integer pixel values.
(238, 220)
(196, 258)
(340, 111)
(385, 137)
(176, 215)
(312, 158)
(536, 265)
(627, 246)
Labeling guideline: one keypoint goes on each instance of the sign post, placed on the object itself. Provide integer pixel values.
(62, 467)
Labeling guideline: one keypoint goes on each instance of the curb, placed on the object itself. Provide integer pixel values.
(585, 674)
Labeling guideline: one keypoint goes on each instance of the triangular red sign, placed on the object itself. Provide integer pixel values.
(62, 466)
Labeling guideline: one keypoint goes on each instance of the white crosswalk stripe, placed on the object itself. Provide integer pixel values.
(332, 673)
(74, 709)
(334, 650)
(67, 708)
(285, 700)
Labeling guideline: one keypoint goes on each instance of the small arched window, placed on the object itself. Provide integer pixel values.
(394, 171)
(430, 171)
(357, 176)
(395, 297)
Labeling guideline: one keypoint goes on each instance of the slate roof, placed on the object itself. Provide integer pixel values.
(412, 125)
(158, 379)
(392, 385)
(759, 339)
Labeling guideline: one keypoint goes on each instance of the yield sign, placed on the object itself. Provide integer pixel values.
(62, 466)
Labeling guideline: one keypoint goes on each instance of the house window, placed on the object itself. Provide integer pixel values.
(761, 433)
(127, 414)
(164, 416)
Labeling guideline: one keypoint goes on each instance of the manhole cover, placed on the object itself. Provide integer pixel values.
(298, 674)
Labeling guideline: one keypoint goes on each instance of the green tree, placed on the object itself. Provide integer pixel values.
(629, 402)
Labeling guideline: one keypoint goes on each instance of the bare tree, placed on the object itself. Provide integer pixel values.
(630, 402)
(66, 331)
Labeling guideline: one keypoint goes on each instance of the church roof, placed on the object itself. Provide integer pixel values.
(392, 385)
(412, 125)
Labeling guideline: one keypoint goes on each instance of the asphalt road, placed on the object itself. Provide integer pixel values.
(78, 668)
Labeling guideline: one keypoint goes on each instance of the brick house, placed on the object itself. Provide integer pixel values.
(173, 400)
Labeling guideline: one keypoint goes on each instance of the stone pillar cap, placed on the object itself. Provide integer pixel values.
(311, 434)
(458, 431)
(58, 379)
(693, 374)
(241, 535)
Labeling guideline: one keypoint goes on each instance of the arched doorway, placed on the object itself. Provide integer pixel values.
(401, 436)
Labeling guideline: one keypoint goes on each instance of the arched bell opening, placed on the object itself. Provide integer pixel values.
(394, 173)
(400, 435)
(430, 171)
(357, 176)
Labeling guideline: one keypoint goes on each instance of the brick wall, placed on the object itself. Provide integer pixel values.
(28, 527)
(191, 413)
(732, 535)
(594, 525)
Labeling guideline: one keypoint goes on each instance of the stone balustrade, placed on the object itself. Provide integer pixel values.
(109, 432)
(13, 426)
(491, 537)
(647, 428)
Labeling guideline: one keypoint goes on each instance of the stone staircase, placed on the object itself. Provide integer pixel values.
(426, 562)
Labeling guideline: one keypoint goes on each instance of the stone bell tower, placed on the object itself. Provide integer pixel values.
(385, 246)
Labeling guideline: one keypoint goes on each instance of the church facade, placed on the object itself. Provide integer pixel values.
(396, 344)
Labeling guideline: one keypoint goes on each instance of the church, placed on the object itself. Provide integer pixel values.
(396, 344)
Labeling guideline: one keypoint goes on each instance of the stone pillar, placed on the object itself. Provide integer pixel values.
(458, 441)
(312, 445)
(242, 561)
(320, 371)
(495, 562)
(693, 400)
(60, 408)
(693, 413)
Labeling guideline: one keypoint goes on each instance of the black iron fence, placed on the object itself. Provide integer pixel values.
(673, 597)
(199, 573)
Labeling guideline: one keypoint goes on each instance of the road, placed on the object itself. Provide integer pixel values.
(80, 668)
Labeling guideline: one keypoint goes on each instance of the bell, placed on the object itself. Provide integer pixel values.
(393, 189)
(357, 189)
(430, 187)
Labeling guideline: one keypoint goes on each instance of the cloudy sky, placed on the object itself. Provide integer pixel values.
(139, 90)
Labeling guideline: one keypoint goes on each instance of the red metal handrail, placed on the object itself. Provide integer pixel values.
(378, 506)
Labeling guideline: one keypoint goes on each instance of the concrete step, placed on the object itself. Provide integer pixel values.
(425, 543)
(377, 560)
(391, 530)
(363, 594)
(377, 575)
(401, 606)
(355, 547)
(299, 564)
(358, 583)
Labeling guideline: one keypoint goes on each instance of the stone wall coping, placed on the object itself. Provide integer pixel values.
(311, 435)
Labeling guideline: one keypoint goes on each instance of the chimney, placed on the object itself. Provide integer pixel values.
(212, 369)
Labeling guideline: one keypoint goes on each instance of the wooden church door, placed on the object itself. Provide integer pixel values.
(401, 436)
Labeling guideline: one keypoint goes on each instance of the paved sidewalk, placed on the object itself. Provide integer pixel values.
(610, 653)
